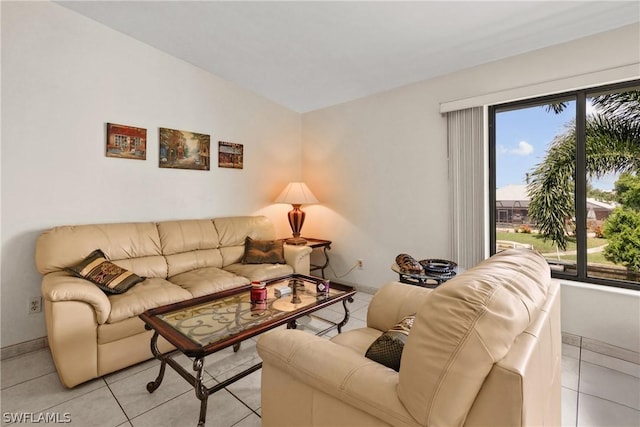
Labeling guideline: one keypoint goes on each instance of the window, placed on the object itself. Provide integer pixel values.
(565, 181)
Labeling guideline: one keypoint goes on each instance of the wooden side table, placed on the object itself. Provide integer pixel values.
(323, 245)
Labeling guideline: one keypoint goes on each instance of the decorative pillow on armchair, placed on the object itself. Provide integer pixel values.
(387, 349)
(104, 274)
(263, 251)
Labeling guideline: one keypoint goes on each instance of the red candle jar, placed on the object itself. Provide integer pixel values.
(258, 292)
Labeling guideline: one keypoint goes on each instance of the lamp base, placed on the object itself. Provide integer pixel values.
(296, 219)
(296, 241)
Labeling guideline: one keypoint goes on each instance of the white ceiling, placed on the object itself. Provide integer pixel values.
(312, 54)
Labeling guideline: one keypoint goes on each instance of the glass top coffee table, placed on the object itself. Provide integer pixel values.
(202, 326)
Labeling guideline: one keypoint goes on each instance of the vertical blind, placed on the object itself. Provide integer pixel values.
(467, 171)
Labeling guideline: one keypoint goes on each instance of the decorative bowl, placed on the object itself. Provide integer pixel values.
(438, 266)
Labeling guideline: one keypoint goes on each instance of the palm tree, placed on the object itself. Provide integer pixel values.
(612, 145)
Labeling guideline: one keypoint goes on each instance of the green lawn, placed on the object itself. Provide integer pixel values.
(596, 258)
(539, 244)
(548, 247)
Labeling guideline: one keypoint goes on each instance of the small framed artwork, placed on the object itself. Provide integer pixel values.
(230, 155)
(181, 149)
(126, 142)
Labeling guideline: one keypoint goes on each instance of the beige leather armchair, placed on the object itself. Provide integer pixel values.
(485, 349)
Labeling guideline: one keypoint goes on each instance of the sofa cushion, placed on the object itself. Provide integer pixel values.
(260, 271)
(358, 340)
(151, 293)
(444, 363)
(387, 349)
(118, 330)
(208, 280)
(234, 230)
(189, 245)
(393, 302)
(152, 266)
(193, 260)
(109, 277)
(263, 251)
(117, 241)
(187, 235)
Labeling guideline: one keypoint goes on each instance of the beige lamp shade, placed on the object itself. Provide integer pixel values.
(296, 194)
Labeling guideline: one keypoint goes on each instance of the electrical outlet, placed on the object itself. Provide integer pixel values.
(360, 264)
(35, 305)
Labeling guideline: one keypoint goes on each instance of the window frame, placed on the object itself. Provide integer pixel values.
(580, 97)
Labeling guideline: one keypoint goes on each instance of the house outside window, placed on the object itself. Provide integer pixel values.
(565, 181)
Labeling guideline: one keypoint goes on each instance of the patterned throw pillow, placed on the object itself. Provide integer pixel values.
(104, 274)
(387, 349)
(263, 251)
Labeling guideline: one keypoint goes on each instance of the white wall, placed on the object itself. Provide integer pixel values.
(610, 315)
(379, 164)
(63, 77)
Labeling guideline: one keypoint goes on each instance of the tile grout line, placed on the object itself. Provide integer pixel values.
(611, 401)
(156, 406)
(118, 402)
(254, 412)
(27, 380)
(600, 397)
(242, 401)
(609, 368)
(578, 387)
(59, 403)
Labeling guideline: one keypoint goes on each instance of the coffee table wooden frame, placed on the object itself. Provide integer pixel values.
(198, 352)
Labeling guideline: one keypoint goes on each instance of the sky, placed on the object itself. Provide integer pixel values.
(522, 139)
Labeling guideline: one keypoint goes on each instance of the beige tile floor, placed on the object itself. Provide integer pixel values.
(597, 390)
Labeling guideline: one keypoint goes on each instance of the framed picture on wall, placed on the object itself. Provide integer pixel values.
(230, 155)
(181, 149)
(126, 142)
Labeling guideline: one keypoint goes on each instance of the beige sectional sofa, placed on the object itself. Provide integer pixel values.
(92, 333)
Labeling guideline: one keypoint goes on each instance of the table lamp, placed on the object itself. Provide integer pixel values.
(296, 194)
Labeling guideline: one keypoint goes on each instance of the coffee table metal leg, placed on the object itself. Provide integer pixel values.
(153, 385)
(202, 392)
(346, 314)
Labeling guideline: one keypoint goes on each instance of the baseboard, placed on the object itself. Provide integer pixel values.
(367, 289)
(23, 348)
(601, 347)
(574, 340)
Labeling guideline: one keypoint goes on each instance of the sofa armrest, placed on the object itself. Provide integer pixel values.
(298, 257)
(336, 371)
(393, 302)
(61, 286)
